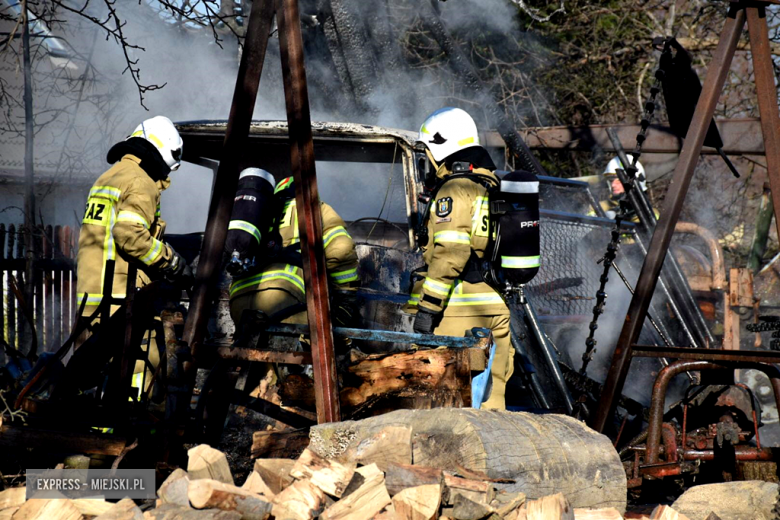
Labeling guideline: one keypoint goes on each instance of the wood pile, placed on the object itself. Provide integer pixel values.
(315, 487)
(377, 383)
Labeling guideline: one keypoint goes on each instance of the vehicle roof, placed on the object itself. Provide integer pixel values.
(319, 129)
(269, 146)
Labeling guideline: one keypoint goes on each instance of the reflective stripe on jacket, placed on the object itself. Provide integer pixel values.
(121, 223)
(457, 225)
(340, 257)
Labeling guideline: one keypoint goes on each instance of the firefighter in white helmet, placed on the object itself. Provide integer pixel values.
(122, 217)
(615, 188)
(450, 297)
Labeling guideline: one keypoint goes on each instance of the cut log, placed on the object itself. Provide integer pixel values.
(174, 512)
(387, 514)
(91, 507)
(255, 484)
(464, 508)
(363, 503)
(667, 513)
(543, 454)
(505, 503)
(275, 473)
(553, 507)
(300, 501)
(418, 503)
(751, 499)
(12, 497)
(206, 462)
(125, 509)
(330, 476)
(401, 476)
(391, 445)
(208, 494)
(444, 373)
(45, 509)
(287, 444)
(8, 513)
(475, 490)
(174, 489)
(597, 514)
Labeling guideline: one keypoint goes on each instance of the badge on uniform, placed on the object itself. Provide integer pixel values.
(444, 207)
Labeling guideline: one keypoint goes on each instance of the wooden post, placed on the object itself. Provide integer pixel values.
(11, 315)
(58, 304)
(28, 287)
(47, 334)
(2, 284)
(37, 308)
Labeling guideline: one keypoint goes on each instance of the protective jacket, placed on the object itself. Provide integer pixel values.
(340, 257)
(122, 223)
(457, 229)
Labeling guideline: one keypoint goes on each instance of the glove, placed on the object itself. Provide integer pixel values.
(178, 272)
(426, 321)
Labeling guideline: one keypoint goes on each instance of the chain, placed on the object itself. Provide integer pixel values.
(768, 324)
(625, 209)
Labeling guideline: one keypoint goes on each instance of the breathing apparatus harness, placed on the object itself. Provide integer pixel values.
(513, 205)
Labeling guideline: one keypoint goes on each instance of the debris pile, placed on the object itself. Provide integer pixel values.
(407, 465)
(315, 487)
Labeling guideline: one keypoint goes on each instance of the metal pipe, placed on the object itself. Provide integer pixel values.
(716, 252)
(533, 380)
(309, 215)
(742, 453)
(666, 375)
(670, 442)
(657, 402)
(659, 245)
(244, 96)
(716, 355)
(547, 351)
(763, 70)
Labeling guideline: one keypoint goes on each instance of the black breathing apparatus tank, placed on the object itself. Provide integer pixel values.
(252, 218)
(513, 257)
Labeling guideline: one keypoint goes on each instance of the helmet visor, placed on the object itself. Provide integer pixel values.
(176, 154)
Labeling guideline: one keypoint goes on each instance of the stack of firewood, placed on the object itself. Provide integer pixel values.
(315, 487)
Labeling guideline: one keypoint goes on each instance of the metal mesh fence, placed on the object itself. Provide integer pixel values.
(569, 275)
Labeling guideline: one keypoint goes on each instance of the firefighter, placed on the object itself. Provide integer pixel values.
(122, 218)
(615, 188)
(452, 298)
(278, 289)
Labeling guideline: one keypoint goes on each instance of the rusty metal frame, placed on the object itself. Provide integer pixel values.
(308, 206)
(665, 376)
(683, 173)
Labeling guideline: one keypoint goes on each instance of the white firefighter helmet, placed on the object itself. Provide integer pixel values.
(161, 132)
(614, 164)
(447, 131)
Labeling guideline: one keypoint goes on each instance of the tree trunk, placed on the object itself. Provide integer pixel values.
(542, 454)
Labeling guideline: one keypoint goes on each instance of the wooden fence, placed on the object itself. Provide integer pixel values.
(54, 285)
